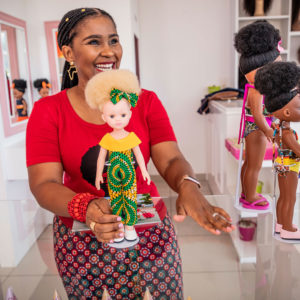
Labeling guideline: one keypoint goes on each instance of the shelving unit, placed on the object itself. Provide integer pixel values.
(279, 15)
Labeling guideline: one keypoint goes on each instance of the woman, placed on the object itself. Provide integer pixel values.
(65, 143)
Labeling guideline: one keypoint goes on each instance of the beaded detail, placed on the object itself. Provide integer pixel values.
(78, 205)
(122, 186)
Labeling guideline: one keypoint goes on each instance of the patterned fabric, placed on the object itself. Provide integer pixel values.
(122, 189)
(249, 127)
(117, 95)
(87, 266)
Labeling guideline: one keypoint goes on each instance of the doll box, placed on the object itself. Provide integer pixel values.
(232, 146)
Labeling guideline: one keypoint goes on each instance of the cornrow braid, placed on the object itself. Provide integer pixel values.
(67, 32)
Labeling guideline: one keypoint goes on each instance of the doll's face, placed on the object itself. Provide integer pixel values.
(290, 112)
(44, 92)
(17, 94)
(117, 116)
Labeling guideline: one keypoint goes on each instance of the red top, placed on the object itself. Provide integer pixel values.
(55, 133)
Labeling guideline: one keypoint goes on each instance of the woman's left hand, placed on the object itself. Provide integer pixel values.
(191, 202)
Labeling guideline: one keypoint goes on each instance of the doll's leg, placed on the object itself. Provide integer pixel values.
(281, 199)
(285, 209)
(255, 151)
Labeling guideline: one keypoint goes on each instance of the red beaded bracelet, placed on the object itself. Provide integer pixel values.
(78, 205)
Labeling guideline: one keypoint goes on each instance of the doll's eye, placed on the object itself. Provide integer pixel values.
(123, 115)
(112, 116)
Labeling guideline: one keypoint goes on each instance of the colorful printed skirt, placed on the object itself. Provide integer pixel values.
(87, 266)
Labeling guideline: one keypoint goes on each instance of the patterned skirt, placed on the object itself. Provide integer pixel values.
(87, 266)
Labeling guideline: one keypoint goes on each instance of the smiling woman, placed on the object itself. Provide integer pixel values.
(63, 137)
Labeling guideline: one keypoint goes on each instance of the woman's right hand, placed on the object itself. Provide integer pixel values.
(107, 226)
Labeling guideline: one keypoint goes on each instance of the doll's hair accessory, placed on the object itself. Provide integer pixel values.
(117, 95)
(46, 85)
(279, 47)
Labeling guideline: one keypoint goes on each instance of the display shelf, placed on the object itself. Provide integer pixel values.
(295, 33)
(246, 251)
(264, 18)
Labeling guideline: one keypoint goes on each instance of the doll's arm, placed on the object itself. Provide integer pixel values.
(24, 111)
(255, 102)
(141, 162)
(289, 140)
(100, 167)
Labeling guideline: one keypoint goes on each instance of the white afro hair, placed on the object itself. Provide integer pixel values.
(98, 88)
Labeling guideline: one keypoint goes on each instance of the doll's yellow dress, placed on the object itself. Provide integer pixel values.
(121, 177)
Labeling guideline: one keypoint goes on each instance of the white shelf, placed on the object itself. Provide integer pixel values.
(246, 251)
(280, 17)
(295, 33)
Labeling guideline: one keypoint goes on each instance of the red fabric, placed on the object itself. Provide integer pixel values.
(55, 133)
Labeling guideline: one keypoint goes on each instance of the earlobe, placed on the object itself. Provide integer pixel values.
(67, 53)
(103, 118)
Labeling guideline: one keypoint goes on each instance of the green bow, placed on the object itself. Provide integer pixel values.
(117, 95)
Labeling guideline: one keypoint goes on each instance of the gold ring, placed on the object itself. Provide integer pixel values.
(92, 225)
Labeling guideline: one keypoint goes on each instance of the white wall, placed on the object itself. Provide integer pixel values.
(54, 10)
(185, 46)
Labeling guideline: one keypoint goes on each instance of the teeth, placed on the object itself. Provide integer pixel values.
(104, 67)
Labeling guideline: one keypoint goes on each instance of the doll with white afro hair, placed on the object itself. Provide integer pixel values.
(114, 92)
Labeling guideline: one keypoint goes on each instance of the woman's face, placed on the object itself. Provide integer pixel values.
(95, 48)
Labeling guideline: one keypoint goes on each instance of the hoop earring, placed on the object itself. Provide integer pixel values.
(72, 70)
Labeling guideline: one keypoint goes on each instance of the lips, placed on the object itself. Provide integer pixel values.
(105, 66)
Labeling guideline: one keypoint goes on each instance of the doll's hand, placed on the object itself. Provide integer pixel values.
(191, 202)
(99, 179)
(269, 134)
(146, 176)
(23, 112)
(107, 225)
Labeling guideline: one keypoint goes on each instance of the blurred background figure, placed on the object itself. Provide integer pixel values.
(43, 86)
(19, 86)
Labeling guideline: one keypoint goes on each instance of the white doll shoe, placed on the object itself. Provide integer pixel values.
(120, 239)
(130, 234)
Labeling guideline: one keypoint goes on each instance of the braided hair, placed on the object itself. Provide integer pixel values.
(67, 32)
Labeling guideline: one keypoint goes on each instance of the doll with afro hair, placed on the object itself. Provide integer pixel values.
(43, 86)
(258, 44)
(280, 83)
(114, 92)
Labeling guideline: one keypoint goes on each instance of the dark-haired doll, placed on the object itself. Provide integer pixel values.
(257, 7)
(19, 86)
(43, 86)
(258, 44)
(280, 83)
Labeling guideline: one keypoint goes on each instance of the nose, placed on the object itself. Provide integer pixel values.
(106, 51)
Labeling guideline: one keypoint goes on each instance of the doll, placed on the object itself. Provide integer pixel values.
(43, 86)
(19, 86)
(257, 7)
(258, 43)
(114, 93)
(280, 83)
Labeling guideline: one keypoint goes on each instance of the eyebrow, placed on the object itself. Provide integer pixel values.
(99, 36)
